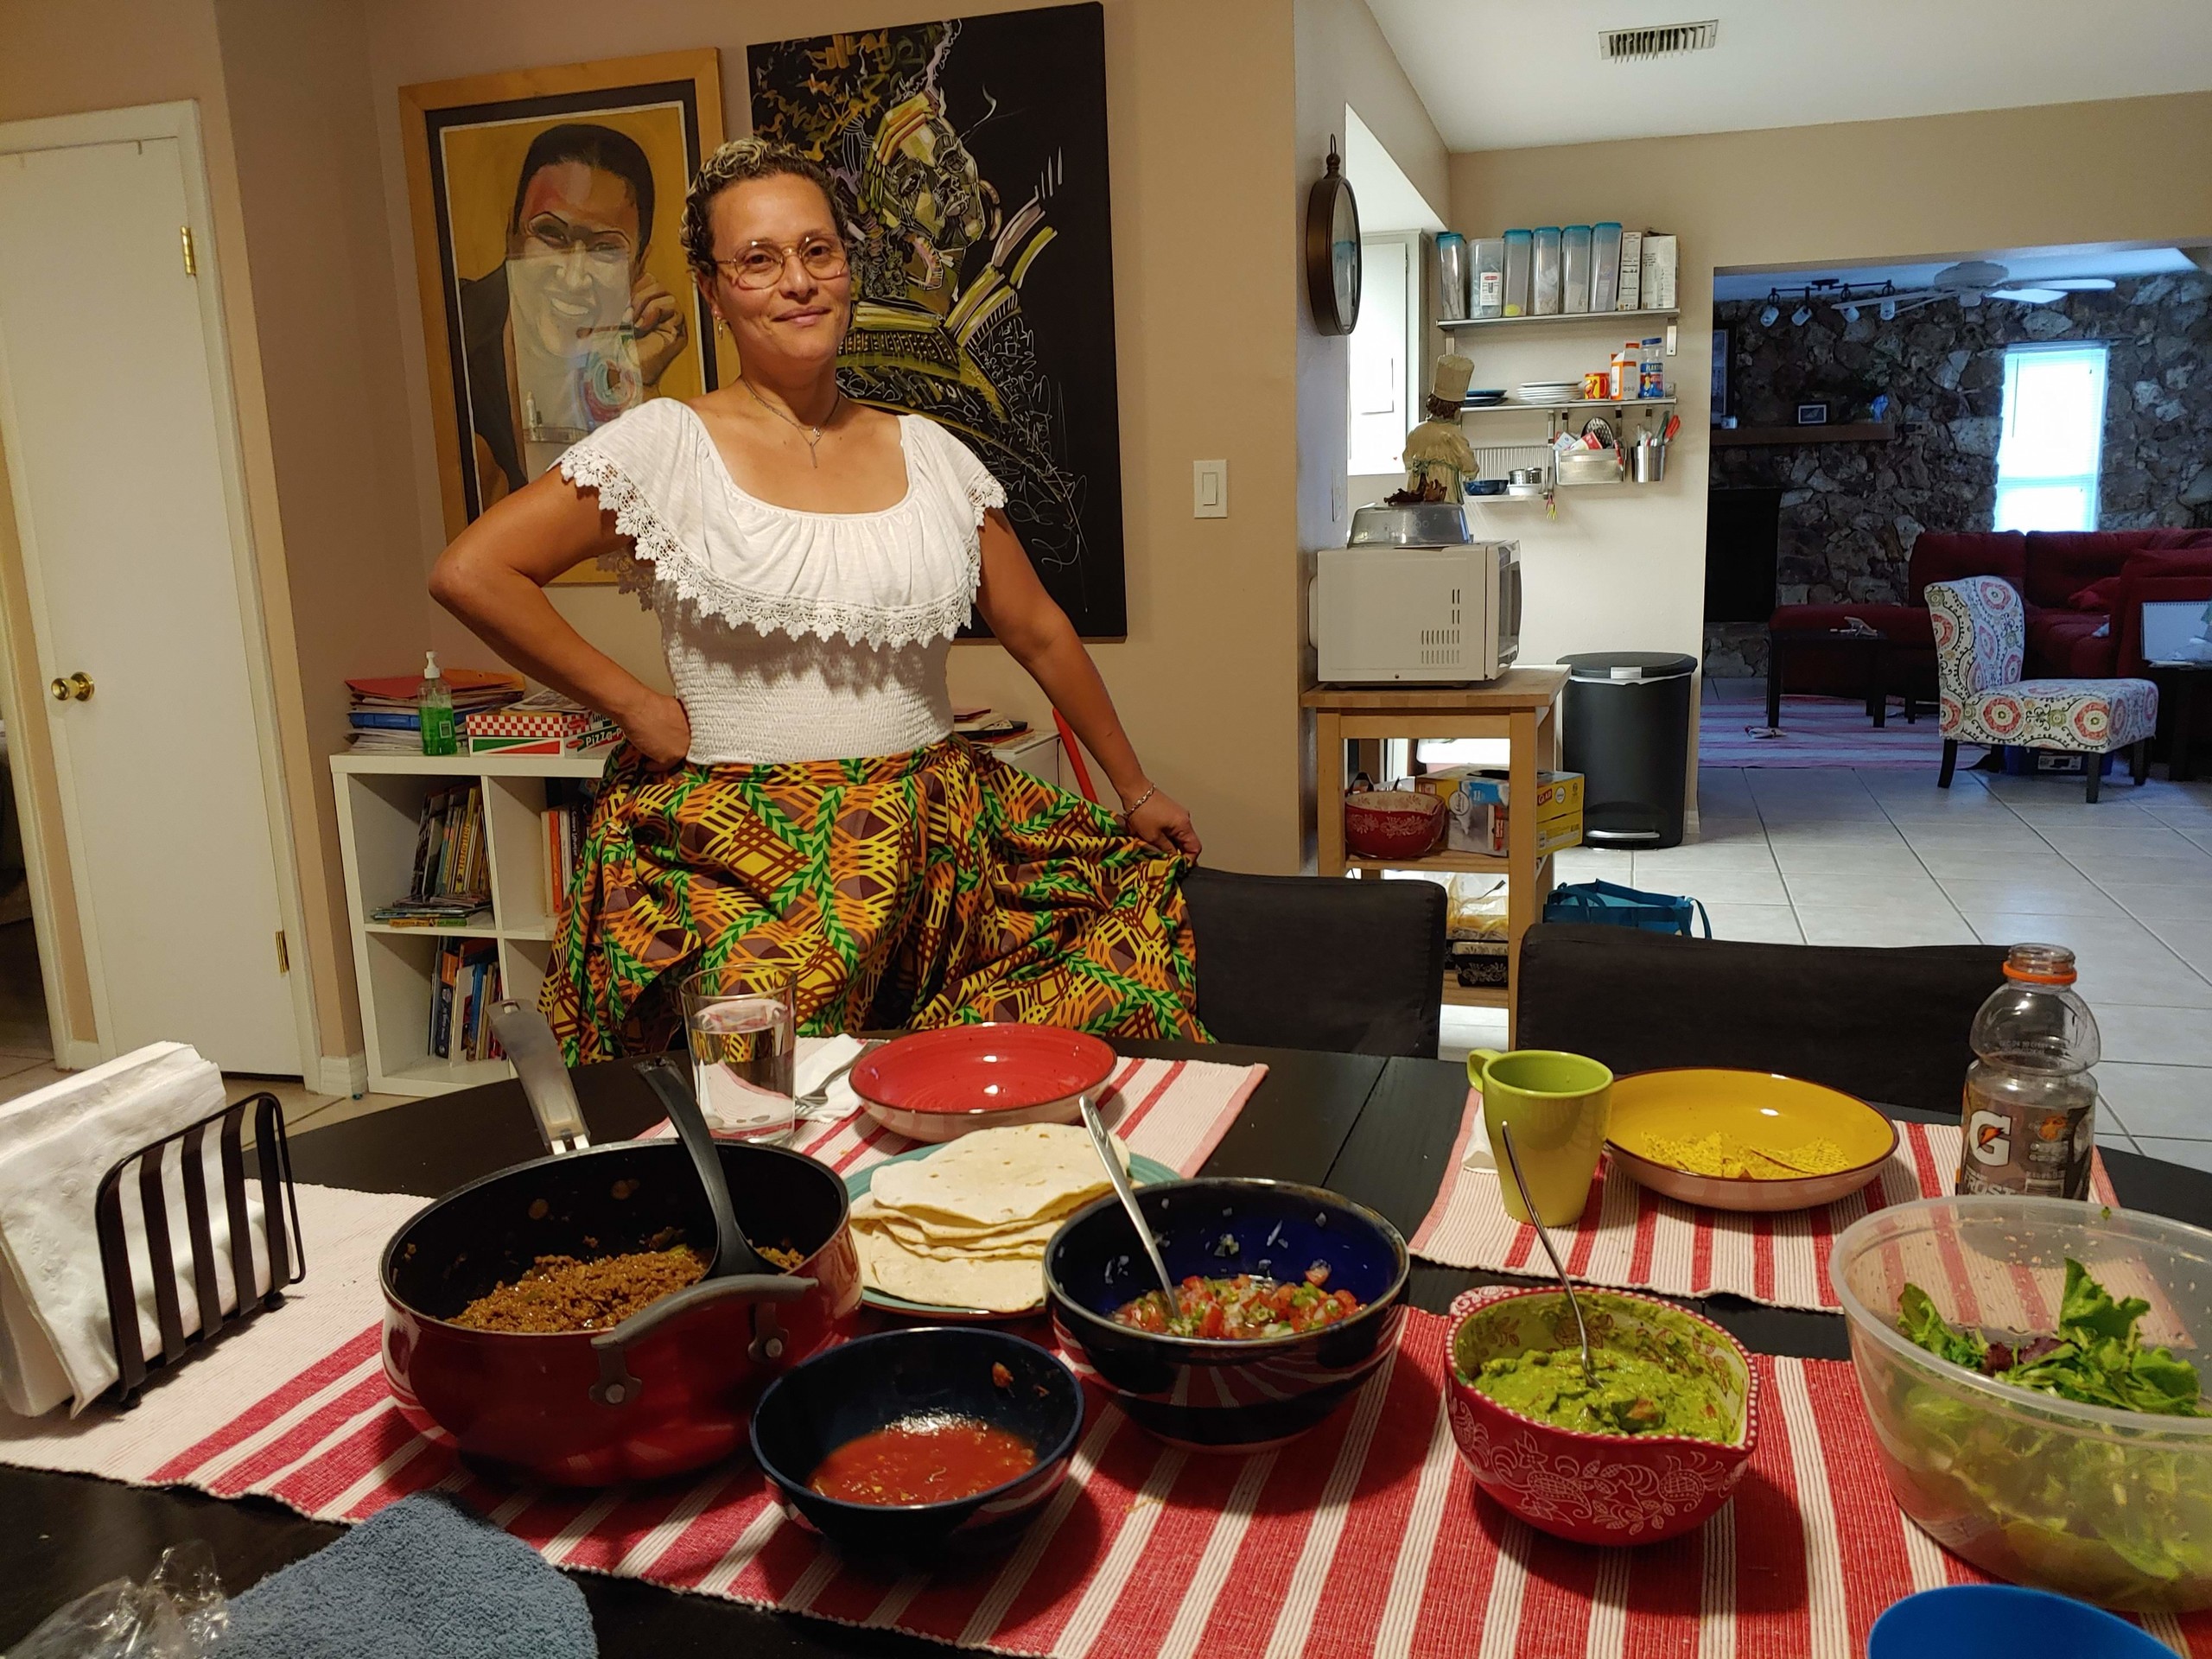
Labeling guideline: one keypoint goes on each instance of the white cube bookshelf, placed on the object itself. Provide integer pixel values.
(380, 802)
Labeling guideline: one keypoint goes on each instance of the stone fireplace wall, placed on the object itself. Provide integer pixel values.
(1851, 511)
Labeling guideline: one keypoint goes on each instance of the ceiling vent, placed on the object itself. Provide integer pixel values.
(1658, 40)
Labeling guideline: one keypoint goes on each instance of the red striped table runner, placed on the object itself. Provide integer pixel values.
(1366, 1536)
(1631, 1237)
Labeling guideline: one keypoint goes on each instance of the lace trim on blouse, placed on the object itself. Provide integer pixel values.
(654, 563)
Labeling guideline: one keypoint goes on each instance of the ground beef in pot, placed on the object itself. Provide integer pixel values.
(560, 1293)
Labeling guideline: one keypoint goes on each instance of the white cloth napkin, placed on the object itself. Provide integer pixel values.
(56, 1145)
(1478, 1154)
(818, 1059)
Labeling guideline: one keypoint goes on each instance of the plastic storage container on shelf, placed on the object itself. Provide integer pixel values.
(2113, 1506)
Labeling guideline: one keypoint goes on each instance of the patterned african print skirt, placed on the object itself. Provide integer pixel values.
(935, 888)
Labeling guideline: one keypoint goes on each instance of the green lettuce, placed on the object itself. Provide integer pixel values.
(2097, 1359)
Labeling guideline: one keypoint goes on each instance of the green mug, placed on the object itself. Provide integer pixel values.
(1557, 1104)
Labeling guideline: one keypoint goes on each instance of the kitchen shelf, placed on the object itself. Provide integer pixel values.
(1455, 863)
(1618, 405)
(1668, 315)
(1744, 437)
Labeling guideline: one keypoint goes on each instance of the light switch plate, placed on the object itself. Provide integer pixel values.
(1209, 489)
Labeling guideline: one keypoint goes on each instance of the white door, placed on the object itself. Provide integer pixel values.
(110, 416)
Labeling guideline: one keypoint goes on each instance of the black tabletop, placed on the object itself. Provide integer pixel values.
(1378, 1131)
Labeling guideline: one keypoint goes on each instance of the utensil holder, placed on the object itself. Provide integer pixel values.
(286, 1258)
(1650, 462)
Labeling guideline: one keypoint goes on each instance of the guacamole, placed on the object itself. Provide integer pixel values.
(1632, 1395)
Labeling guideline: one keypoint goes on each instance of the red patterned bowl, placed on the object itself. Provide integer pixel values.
(1392, 822)
(1599, 1489)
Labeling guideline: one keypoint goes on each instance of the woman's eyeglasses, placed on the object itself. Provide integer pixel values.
(760, 264)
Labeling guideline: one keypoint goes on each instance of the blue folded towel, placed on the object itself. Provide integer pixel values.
(423, 1578)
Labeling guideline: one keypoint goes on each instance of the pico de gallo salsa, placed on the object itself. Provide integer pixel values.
(1247, 1308)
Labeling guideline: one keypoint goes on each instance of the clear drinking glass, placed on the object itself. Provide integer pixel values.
(743, 1043)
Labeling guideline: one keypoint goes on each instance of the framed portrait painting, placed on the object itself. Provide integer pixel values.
(548, 208)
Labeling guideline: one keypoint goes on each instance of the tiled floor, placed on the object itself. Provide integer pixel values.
(1834, 856)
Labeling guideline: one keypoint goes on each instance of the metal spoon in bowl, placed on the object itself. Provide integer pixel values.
(1128, 1194)
(1543, 1237)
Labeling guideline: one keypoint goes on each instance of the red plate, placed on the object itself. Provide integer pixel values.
(937, 1085)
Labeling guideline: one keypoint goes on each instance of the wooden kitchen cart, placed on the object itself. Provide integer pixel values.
(1521, 706)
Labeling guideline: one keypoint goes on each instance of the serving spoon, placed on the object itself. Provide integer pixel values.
(1128, 1194)
(1544, 1237)
(734, 1252)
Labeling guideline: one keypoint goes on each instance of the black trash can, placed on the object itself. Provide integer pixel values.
(1628, 733)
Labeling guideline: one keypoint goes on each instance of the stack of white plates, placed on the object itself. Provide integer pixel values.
(1548, 392)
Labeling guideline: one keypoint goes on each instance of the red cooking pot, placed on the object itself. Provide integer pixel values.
(670, 1389)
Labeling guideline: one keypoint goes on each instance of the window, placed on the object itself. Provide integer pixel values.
(2052, 437)
(1383, 400)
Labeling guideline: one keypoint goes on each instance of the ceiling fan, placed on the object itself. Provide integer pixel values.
(1972, 281)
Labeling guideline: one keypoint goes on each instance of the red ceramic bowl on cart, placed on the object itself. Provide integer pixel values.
(669, 1389)
(1392, 824)
(1599, 1489)
(937, 1085)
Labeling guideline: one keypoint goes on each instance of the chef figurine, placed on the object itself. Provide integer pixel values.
(1439, 458)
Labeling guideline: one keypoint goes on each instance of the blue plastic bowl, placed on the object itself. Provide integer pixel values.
(852, 1390)
(1226, 1396)
(2003, 1621)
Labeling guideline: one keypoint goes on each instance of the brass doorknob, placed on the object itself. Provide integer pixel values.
(77, 687)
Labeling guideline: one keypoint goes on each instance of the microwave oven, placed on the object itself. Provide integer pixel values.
(1382, 615)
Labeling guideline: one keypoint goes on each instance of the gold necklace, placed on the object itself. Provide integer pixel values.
(812, 434)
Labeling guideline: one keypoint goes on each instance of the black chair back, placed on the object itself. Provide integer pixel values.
(1886, 1024)
(1299, 962)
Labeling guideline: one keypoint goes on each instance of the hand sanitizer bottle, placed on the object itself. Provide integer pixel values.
(433, 703)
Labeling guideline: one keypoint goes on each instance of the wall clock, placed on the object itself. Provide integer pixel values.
(1332, 250)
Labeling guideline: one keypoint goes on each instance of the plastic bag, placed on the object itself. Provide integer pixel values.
(178, 1613)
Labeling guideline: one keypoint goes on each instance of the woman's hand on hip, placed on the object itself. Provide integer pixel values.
(659, 729)
(1161, 820)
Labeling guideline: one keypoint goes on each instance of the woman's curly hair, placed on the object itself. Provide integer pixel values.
(736, 162)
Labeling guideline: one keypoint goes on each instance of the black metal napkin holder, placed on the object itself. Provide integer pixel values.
(287, 1259)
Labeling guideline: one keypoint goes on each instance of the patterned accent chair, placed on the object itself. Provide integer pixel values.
(1980, 635)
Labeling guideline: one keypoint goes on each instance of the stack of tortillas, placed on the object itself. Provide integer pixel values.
(966, 1226)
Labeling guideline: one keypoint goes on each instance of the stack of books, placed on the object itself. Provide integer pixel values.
(467, 984)
(386, 722)
(452, 881)
(544, 722)
(567, 815)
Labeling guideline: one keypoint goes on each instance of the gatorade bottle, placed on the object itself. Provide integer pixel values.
(434, 706)
(2031, 1106)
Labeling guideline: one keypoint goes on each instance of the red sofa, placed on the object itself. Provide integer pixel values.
(2084, 592)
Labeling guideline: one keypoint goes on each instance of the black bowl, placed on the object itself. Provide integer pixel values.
(1227, 1396)
(877, 1381)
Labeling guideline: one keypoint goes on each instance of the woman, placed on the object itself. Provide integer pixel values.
(800, 808)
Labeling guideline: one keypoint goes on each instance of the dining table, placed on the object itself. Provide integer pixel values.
(1380, 1130)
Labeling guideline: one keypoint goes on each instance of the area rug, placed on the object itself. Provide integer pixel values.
(1818, 732)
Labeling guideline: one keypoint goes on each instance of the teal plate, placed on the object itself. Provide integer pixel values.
(1143, 1171)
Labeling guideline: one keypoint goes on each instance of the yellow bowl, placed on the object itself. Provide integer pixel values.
(1758, 1108)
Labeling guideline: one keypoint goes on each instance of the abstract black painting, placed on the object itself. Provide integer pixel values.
(970, 156)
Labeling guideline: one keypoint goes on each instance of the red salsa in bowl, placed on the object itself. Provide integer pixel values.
(933, 1458)
(1250, 1307)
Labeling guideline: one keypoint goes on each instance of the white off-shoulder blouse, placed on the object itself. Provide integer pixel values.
(792, 635)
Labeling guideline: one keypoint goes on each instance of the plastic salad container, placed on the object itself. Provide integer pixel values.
(2113, 1506)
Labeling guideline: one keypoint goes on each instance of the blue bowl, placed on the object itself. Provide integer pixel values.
(2003, 1621)
(1226, 1396)
(852, 1390)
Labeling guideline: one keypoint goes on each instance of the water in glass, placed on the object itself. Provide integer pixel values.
(741, 1055)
